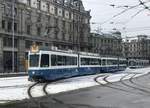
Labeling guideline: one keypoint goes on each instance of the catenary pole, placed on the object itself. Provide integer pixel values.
(13, 36)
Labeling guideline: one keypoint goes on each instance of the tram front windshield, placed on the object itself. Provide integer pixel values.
(34, 60)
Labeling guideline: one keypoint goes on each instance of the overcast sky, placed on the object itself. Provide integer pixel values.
(128, 23)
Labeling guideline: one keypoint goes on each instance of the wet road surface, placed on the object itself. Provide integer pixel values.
(131, 93)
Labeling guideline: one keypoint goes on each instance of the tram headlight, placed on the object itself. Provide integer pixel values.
(33, 72)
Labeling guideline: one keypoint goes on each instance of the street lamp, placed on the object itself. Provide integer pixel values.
(13, 35)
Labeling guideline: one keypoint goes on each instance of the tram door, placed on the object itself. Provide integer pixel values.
(8, 61)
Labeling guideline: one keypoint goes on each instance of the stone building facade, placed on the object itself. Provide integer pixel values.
(64, 24)
(106, 44)
(138, 48)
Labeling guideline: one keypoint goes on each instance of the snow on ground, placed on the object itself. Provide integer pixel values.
(15, 88)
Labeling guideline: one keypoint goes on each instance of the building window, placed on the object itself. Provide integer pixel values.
(47, 7)
(15, 27)
(69, 15)
(63, 36)
(56, 30)
(39, 31)
(28, 29)
(46, 44)
(16, 11)
(39, 43)
(56, 22)
(63, 13)
(9, 26)
(29, 2)
(56, 10)
(8, 10)
(56, 34)
(64, 24)
(70, 37)
(28, 44)
(7, 59)
(26, 55)
(8, 42)
(28, 15)
(3, 24)
(70, 27)
(39, 4)
(48, 18)
(39, 18)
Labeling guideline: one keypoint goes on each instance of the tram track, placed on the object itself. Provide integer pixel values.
(55, 99)
(135, 80)
(37, 103)
(132, 84)
(30, 89)
(106, 83)
(111, 85)
(123, 83)
(63, 103)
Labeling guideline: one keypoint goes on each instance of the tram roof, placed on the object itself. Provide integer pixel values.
(54, 49)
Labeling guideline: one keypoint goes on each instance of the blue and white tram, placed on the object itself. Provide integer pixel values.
(138, 63)
(50, 65)
(54, 65)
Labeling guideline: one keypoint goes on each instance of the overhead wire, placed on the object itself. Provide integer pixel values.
(145, 7)
(143, 3)
(133, 16)
(133, 29)
(120, 13)
(128, 8)
(137, 13)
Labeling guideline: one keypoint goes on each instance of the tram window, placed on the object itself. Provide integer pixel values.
(62, 60)
(75, 61)
(90, 61)
(53, 60)
(44, 60)
(99, 61)
(94, 61)
(68, 61)
(103, 62)
(85, 61)
(125, 62)
(122, 62)
(34, 60)
(57, 60)
(71, 61)
(108, 62)
(114, 62)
